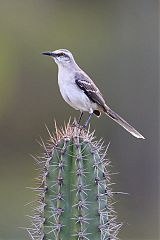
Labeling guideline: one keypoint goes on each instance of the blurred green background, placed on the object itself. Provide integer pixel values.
(116, 42)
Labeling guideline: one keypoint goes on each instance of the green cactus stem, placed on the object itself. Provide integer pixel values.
(74, 197)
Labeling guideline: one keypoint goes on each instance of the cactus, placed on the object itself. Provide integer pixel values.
(74, 194)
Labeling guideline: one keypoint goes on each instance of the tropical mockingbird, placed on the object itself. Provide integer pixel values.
(80, 92)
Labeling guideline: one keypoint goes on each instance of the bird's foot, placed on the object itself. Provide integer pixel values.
(81, 127)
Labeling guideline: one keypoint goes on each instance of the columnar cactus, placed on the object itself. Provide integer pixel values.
(74, 197)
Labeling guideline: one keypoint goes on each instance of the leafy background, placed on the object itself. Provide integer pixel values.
(116, 42)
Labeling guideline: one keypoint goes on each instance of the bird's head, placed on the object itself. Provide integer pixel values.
(61, 57)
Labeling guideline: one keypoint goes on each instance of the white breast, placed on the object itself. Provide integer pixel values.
(71, 93)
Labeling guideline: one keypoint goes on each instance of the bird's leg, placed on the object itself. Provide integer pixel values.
(87, 121)
(80, 117)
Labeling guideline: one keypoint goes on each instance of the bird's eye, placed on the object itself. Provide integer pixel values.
(61, 54)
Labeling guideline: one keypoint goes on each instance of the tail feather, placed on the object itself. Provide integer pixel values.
(122, 122)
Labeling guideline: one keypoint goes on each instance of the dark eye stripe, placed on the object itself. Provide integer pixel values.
(60, 54)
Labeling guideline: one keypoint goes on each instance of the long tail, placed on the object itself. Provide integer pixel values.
(122, 122)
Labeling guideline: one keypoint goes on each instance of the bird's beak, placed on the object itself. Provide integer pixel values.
(48, 53)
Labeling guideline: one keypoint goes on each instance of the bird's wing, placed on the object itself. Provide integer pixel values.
(90, 89)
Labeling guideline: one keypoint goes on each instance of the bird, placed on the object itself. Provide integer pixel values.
(81, 93)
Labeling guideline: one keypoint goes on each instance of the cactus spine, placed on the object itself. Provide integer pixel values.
(74, 197)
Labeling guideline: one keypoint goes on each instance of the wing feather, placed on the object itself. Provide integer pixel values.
(90, 89)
